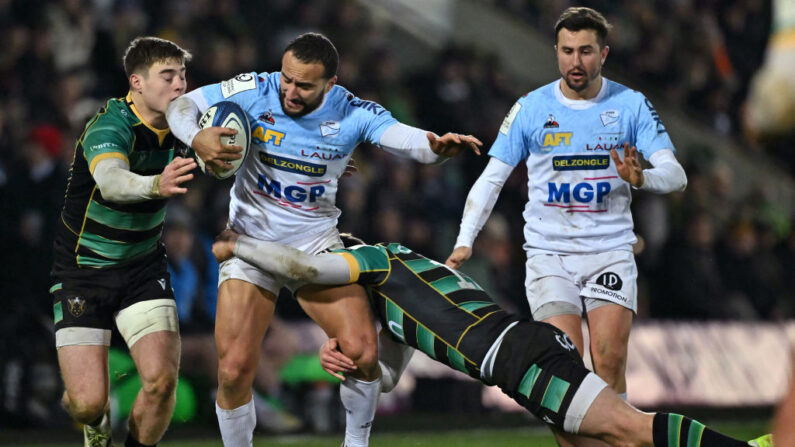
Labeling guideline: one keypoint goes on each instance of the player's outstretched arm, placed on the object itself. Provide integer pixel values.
(666, 175)
(118, 184)
(480, 202)
(323, 269)
(423, 146)
(183, 114)
(452, 144)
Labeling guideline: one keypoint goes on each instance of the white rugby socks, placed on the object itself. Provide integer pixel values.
(237, 425)
(360, 400)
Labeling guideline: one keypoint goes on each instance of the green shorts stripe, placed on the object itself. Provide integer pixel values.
(529, 380)
(556, 391)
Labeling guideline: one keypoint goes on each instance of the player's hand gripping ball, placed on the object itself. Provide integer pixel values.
(230, 115)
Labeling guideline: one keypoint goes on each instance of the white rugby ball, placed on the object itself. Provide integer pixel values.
(226, 114)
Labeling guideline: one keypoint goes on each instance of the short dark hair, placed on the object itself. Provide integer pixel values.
(145, 51)
(578, 18)
(314, 47)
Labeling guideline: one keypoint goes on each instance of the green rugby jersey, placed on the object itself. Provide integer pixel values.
(427, 305)
(94, 232)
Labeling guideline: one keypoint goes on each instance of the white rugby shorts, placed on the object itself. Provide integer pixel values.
(607, 277)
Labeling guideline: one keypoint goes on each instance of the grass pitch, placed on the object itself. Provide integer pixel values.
(504, 437)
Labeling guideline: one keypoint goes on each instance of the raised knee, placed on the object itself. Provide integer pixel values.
(362, 350)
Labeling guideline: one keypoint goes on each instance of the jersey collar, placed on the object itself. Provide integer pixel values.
(579, 104)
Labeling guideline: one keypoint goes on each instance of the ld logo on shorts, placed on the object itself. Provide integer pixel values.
(610, 280)
(77, 306)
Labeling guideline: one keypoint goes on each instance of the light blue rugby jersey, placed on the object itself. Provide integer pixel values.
(577, 203)
(286, 189)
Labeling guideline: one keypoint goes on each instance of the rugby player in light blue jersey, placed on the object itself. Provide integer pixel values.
(578, 226)
(304, 129)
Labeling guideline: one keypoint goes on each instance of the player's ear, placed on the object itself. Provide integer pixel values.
(605, 50)
(331, 83)
(136, 82)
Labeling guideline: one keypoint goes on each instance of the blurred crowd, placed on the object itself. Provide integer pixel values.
(702, 254)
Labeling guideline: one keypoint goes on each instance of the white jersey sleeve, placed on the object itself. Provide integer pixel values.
(481, 200)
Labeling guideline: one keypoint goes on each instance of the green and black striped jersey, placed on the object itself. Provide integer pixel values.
(94, 232)
(427, 305)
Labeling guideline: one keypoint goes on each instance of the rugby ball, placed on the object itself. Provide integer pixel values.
(226, 114)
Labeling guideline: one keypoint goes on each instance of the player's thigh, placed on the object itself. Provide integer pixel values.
(84, 369)
(572, 326)
(609, 327)
(156, 356)
(242, 316)
(547, 282)
(342, 311)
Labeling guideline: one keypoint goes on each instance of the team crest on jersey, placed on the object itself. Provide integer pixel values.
(267, 117)
(329, 129)
(609, 117)
(77, 306)
(551, 123)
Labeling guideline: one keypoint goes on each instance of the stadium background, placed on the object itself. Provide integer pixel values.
(714, 261)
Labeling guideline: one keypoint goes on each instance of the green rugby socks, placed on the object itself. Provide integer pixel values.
(675, 430)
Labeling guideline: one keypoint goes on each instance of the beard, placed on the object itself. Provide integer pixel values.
(584, 82)
(308, 107)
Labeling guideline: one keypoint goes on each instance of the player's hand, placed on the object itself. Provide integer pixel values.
(629, 169)
(175, 173)
(458, 257)
(451, 144)
(224, 245)
(350, 168)
(207, 144)
(333, 360)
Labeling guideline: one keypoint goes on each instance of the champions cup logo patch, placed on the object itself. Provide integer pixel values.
(76, 306)
(290, 165)
(580, 162)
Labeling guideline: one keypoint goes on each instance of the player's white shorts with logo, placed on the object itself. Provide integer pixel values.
(596, 279)
(236, 268)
